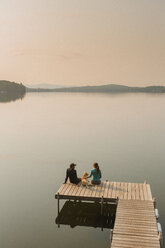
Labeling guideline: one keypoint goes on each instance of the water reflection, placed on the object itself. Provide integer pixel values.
(11, 96)
(87, 214)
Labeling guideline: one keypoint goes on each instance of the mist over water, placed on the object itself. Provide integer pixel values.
(42, 134)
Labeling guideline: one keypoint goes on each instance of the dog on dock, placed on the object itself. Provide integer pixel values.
(84, 179)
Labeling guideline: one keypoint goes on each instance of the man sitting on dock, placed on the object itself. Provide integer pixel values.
(71, 173)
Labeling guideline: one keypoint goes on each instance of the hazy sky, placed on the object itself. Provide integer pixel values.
(83, 41)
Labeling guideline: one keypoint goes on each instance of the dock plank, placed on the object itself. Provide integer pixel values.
(107, 185)
(145, 191)
(111, 192)
(149, 192)
(118, 188)
(133, 192)
(125, 191)
(141, 192)
(129, 191)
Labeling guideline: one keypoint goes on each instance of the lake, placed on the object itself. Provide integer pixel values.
(43, 133)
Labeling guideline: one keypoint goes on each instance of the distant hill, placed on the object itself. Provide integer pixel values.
(44, 86)
(11, 87)
(108, 88)
(7, 87)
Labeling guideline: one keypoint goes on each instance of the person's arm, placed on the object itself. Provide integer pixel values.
(90, 174)
(76, 175)
(100, 174)
(67, 175)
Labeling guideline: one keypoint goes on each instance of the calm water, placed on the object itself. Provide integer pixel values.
(42, 133)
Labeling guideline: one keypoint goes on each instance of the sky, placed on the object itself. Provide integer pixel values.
(83, 42)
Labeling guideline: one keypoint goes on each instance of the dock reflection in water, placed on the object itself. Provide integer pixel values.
(87, 214)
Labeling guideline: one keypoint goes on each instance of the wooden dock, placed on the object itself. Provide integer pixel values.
(110, 191)
(135, 223)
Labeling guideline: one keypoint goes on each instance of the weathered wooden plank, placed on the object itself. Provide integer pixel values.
(137, 206)
(121, 192)
(111, 191)
(82, 192)
(60, 189)
(153, 240)
(97, 192)
(141, 241)
(135, 238)
(136, 233)
(105, 194)
(138, 224)
(141, 192)
(129, 191)
(74, 190)
(135, 243)
(96, 187)
(145, 192)
(86, 192)
(136, 221)
(101, 189)
(63, 188)
(67, 186)
(136, 216)
(125, 191)
(137, 191)
(133, 193)
(123, 220)
(135, 229)
(133, 246)
(69, 189)
(149, 192)
(118, 189)
(136, 210)
(79, 190)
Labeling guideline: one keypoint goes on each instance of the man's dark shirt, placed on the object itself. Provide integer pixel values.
(72, 175)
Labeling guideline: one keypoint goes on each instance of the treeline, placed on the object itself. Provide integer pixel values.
(11, 87)
(10, 91)
(109, 88)
(114, 88)
(7, 87)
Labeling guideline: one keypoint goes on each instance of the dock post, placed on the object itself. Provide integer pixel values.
(111, 234)
(58, 208)
(101, 205)
(154, 201)
(117, 200)
(102, 212)
(161, 240)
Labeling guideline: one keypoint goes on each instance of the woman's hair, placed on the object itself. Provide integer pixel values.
(96, 166)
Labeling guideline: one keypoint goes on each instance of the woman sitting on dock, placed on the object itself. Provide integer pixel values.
(96, 173)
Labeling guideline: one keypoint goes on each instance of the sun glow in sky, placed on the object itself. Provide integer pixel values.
(79, 42)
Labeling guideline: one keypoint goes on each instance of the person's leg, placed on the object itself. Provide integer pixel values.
(78, 181)
(95, 182)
